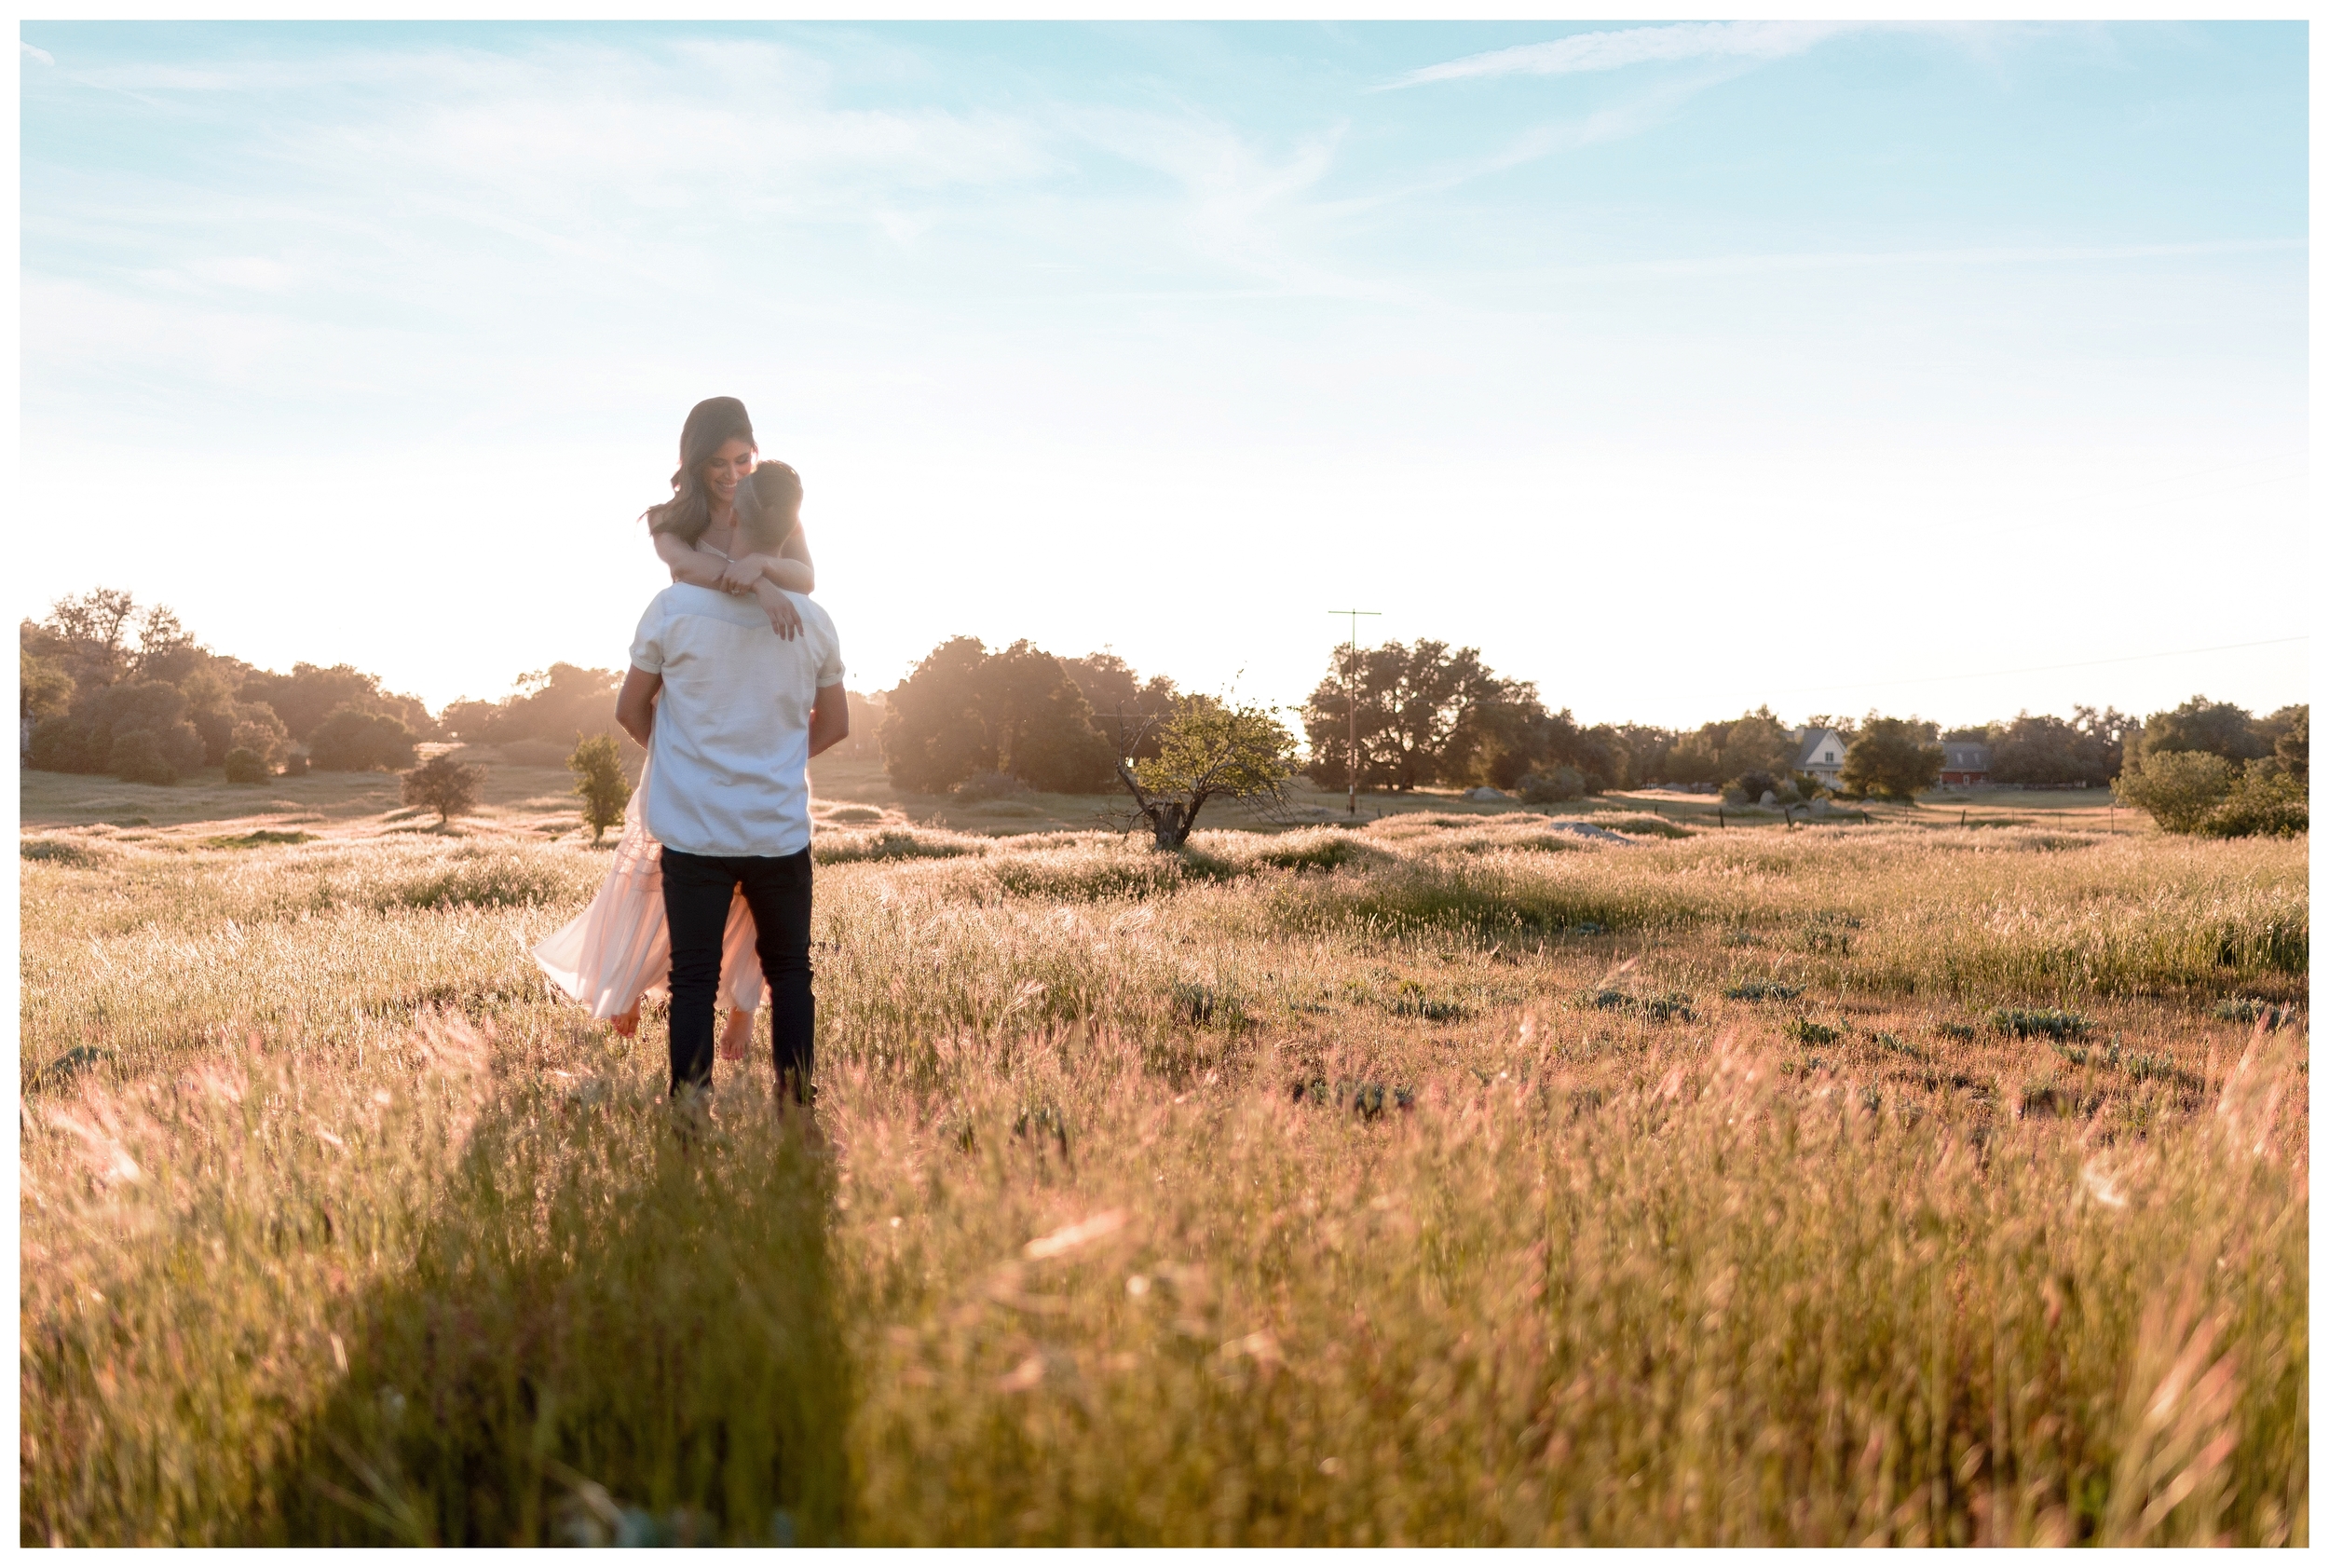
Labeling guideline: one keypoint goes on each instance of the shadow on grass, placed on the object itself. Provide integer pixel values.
(610, 1336)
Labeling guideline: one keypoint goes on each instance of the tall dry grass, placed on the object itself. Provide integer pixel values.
(340, 1229)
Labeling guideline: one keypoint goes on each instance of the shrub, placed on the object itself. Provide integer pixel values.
(2250, 1010)
(356, 739)
(261, 732)
(141, 704)
(1657, 1009)
(245, 766)
(2209, 767)
(1760, 990)
(596, 764)
(1807, 1032)
(2023, 1023)
(61, 744)
(1750, 786)
(137, 757)
(67, 852)
(1411, 1001)
(1893, 1042)
(1316, 852)
(295, 763)
(2178, 788)
(225, 723)
(1368, 1101)
(1563, 782)
(1199, 1004)
(2267, 801)
(444, 787)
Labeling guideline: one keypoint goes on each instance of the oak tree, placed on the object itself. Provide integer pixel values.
(444, 787)
(1206, 750)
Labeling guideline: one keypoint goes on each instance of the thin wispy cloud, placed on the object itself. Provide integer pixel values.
(29, 53)
(558, 126)
(1990, 256)
(987, 286)
(443, 184)
(1237, 204)
(1613, 50)
(1611, 123)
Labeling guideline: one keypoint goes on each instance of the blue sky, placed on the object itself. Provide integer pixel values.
(1678, 367)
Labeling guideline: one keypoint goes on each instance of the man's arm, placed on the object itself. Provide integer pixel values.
(793, 568)
(635, 705)
(828, 721)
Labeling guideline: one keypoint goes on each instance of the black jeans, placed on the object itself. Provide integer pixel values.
(697, 891)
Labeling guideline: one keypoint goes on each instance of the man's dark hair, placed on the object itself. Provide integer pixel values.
(776, 488)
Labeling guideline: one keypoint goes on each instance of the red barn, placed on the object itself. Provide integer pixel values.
(1964, 765)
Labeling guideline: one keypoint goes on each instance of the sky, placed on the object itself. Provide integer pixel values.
(1952, 370)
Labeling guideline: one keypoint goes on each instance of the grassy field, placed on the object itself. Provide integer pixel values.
(1453, 1177)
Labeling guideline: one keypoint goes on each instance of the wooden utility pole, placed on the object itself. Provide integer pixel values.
(1350, 693)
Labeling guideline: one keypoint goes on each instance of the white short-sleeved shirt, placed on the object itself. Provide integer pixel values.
(731, 745)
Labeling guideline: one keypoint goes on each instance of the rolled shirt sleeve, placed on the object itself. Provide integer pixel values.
(647, 645)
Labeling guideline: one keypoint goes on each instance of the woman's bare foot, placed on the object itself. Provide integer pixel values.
(737, 1037)
(627, 1025)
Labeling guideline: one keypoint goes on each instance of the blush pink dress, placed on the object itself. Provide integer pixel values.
(619, 949)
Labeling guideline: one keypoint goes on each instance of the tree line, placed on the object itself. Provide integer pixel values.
(1407, 715)
(109, 685)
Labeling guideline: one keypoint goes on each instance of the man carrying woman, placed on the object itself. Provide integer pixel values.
(735, 683)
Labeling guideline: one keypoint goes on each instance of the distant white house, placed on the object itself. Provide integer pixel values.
(1820, 754)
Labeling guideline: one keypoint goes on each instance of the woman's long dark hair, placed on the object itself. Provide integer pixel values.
(712, 424)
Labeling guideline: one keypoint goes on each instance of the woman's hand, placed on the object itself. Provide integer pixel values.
(784, 618)
(739, 574)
